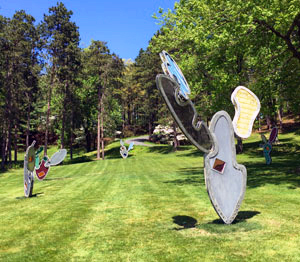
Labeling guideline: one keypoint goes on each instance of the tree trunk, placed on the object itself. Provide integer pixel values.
(239, 146)
(72, 134)
(88, 139)
(280, 117)
(151, 124)
(101, 126)
(175, 140)
(149, 128)
(124, 119)
(268, 122)
(98, 123)
(47, 120)
(16, 144)
(28, 127)
(63, 127)
(128, 115)
(3, 148)
(48, 110)
(8, 143)
(62, 134)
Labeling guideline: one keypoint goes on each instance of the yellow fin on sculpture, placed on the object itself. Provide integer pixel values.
(247, 107)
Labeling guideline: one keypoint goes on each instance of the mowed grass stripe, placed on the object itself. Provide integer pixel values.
(53, 211)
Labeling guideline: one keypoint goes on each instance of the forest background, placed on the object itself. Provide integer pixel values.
(55, 92)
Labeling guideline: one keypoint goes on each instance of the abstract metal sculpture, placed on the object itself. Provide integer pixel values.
(267, 146)
(225, 178)
(31, 164)
(123, 150)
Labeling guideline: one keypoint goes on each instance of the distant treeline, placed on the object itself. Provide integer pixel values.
(53, 91)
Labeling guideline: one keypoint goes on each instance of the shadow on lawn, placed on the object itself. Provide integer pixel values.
(285, 168)
(56, 178)
(284, 171)
(217, 225)
(281, 171)
(166, 149)
(33, 195)
(184, 221)
(190, 176)
(241, 217)
(240, 224)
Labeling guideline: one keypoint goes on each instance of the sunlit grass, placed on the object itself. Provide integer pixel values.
(152, 206)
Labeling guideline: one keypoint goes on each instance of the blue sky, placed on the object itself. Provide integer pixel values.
(127, 25)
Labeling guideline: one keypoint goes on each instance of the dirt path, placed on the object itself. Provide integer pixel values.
(138, 141)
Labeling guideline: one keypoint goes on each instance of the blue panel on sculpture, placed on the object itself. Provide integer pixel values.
(171, 68)
(225, 178)
(130, 146)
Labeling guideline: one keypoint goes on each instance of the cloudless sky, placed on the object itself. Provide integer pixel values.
(126, 25)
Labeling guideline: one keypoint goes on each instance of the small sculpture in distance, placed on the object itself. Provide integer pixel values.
(123, 150)
(267, 146)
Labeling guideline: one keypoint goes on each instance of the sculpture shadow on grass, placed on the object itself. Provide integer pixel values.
(241, 217)
(33, 195)
(218, 226)
(184, 221)
(56, 178)
(240, 224)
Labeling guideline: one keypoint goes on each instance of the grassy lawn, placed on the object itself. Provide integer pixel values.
(152, 206)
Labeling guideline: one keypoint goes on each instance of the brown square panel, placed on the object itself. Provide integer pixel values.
(219, 165)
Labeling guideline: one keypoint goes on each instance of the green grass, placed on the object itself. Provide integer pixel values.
(152, 206)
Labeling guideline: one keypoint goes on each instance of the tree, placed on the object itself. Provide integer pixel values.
(222, 44)
(148, 65)
(61, 41)
(20, 69)
(101, 73)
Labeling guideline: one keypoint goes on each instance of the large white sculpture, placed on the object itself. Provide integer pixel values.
(225, 179)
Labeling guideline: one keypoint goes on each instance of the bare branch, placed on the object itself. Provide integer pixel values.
(295, 22)
(271, 28)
